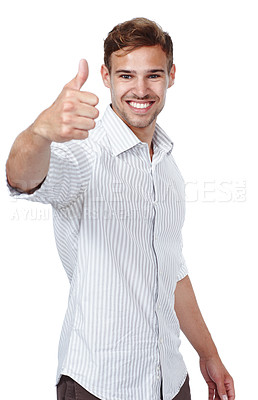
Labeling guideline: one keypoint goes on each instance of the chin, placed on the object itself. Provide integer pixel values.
(142, 124)
(139, 122)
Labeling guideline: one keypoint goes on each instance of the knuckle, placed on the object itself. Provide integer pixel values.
(68, 106)
(69, 96)
(66, 119)
(64, 132)
(68, 92)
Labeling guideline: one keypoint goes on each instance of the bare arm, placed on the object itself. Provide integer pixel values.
(71, 116)
(28, 161)
(193, 326)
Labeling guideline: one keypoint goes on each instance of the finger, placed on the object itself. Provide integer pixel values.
(84, 110)
(88, 98)
(211, 393)
(229, 383)
(226, 389)
(83, 123)
(222, 392)
(81, 77)
(79, 134)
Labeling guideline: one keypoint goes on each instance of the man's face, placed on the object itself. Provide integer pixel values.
(138, 83)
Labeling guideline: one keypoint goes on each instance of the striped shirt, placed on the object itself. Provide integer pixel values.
(117, 220)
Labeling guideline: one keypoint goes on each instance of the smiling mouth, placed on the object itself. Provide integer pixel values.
(140, 105)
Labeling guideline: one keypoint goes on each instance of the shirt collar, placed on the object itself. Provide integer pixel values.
(161, 140)
(122, 138)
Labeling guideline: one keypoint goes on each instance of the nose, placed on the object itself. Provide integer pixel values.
(140, 88)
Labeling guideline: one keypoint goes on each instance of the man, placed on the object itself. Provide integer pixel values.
(118, 209)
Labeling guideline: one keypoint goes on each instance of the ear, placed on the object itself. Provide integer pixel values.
(172, 76)
(105, 76)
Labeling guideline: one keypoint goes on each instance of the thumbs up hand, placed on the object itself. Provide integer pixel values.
(73, 113)
(81, 77)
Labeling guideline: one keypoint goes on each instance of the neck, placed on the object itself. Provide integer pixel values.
(145, 134)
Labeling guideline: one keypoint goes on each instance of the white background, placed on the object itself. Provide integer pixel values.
(211, 116)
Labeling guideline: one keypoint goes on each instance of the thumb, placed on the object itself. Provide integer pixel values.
(81, 77)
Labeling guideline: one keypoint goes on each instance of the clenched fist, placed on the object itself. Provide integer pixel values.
(73, 113)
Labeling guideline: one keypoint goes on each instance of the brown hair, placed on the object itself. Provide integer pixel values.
(134, 34)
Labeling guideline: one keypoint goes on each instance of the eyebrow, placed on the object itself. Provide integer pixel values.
(150, 71)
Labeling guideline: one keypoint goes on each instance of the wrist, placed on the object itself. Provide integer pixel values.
(39, 132)
(208, 354)
(207, 349)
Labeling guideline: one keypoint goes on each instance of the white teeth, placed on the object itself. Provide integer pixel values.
(139, 105)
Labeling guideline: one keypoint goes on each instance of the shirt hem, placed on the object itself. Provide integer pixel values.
(168, 396)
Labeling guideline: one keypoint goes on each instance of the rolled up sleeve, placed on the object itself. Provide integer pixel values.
(68, 176)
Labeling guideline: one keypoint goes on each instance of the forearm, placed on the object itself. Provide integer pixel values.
(191, 321)
(28, 161)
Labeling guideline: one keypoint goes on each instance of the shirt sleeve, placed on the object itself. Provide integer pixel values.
(183, 270)
(69, 174)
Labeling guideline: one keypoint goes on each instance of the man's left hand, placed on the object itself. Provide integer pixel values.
(219, 381)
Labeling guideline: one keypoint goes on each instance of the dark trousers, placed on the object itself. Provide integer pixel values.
(68, 389)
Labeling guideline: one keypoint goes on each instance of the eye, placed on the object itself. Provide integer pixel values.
(125, 76)
(154, 76)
